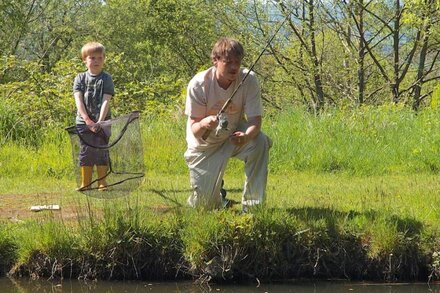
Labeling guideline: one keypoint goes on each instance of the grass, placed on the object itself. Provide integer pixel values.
(369, 218)
(365, 141)
(416, 196)
(350, 195)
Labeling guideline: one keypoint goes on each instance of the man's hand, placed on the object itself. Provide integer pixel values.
(209, 122)
(203, 126)
(239, 138)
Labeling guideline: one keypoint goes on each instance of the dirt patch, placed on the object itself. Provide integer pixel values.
(17, 207)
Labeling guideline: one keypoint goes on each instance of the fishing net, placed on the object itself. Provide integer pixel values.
(109, 162)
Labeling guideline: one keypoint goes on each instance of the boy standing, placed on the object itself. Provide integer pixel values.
(207, 155)
(93, 90)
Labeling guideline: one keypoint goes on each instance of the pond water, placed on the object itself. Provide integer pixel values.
(23, 286)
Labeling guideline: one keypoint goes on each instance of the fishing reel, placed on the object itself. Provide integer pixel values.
(222, 124)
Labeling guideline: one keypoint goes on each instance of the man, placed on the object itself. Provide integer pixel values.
(210, 146)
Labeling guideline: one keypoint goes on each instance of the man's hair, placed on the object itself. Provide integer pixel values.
(226, 47)
(90, 48)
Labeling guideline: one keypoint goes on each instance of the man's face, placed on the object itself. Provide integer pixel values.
(227, 68)
(95, 62)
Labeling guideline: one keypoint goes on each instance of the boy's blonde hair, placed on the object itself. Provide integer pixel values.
(226, 47)
(90, 48)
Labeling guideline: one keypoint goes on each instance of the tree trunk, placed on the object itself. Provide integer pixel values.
(396, 46)
(361, 54)
(422, 60)
(316, 64)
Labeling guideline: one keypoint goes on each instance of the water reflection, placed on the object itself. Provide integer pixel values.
(25, 285)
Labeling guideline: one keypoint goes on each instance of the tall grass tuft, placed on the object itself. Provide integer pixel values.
(14, 127)
(52, 158)
(49, 252)
(312, 243)
(164, 144)
(365, 141)
(8, 250)
(118, 243)
(129, 244)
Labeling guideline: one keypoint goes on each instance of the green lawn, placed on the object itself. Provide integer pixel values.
(415, 196)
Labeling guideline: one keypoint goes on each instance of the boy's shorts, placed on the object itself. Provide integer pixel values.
(90, 150)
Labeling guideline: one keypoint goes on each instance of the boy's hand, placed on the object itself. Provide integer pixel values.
(94, 127)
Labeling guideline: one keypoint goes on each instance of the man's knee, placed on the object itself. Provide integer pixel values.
(262, 142)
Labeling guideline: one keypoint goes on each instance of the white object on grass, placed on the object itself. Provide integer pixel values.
(45, 207)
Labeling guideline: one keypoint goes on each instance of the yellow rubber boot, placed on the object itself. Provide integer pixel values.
(102, 173)
(86, 177)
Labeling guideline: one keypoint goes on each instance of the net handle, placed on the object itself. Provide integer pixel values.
(132, 116)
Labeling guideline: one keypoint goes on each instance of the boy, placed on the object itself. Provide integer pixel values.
(93, 90)
(207, 155)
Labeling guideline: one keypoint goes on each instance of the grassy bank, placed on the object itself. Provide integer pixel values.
(350, 195)
(318, 231)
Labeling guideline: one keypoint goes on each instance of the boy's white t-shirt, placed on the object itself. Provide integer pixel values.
(205, 97)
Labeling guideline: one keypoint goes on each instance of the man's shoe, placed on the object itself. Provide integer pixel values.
(226, 203)
(223, 193)
(249, 209)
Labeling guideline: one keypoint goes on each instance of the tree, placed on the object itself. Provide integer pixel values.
(43, 30)
(424, 14)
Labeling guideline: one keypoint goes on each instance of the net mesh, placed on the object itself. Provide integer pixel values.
(114, 154)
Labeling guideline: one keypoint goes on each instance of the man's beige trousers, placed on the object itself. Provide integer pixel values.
(208, 167)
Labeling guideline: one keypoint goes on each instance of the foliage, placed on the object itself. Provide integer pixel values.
(172, 39)
(44, 31)
(37, 102)
(158, 96)
(155, 47)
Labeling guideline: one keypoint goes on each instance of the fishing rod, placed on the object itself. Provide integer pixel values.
(223, 122)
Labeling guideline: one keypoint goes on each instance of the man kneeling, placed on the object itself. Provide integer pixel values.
(211, 146)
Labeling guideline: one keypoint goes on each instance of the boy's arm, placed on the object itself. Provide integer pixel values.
(104, 107)
(82, 110)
